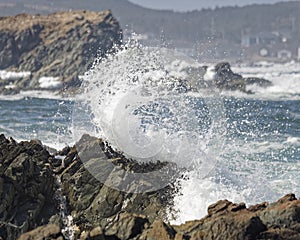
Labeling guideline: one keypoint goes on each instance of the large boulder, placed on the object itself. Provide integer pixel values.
(226, 79)
(61, 45)
(93, 203)
(46, 232)
(219, 76)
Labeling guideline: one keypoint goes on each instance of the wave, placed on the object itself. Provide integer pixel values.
(136, 99)
(138, 105)
(9, 75)
(284, 76)
(42, 94)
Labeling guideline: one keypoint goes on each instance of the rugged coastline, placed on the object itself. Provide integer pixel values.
(53, 51)
(32, 178)
(49, 194)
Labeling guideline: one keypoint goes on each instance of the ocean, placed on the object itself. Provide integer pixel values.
(245, 148)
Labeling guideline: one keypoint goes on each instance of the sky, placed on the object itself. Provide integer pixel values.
(188, 5)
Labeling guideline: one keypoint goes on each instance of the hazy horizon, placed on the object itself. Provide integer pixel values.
(189, 5)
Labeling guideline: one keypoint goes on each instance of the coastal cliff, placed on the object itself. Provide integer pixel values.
(52, 51)
(49, 194)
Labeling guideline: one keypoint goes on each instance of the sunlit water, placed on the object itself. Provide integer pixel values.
(255, 158)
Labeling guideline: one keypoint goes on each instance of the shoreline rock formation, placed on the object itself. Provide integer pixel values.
(219, 77)
(53, 196)
(226, 79)
(37, 188)
(55, 49)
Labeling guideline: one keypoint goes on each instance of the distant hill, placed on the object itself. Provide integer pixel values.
(206, 28)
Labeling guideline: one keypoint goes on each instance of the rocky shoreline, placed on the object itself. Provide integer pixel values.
(49, 194)
(53, 50)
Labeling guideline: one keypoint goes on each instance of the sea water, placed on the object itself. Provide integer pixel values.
(230, 145)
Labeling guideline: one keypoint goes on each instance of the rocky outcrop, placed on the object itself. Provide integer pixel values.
(94, 204)
(50, 231)
(26, 187)
(219, 77)
(62, 45)
(34, 185)
(225, 220)
(226, 79)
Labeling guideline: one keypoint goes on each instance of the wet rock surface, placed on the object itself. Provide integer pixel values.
(94, 204)
(226, 220)
(62, 45)
(31, 179)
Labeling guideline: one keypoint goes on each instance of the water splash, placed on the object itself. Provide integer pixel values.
(138, 100)
(154, 104)
(67, 219)
(284, 76)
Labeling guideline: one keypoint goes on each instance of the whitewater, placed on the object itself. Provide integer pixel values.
(245, 148)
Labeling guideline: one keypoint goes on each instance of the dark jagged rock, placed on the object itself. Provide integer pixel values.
(261, 82)
(26, 187)
(228, 80)
(62, 45)
(158, 230)
(47, 232)
(226, 220)
(92, 203)
(28, 191)
(284, 212)
(126, 226)
(29, 207)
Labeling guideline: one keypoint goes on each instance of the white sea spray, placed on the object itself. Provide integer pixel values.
(185, 127)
